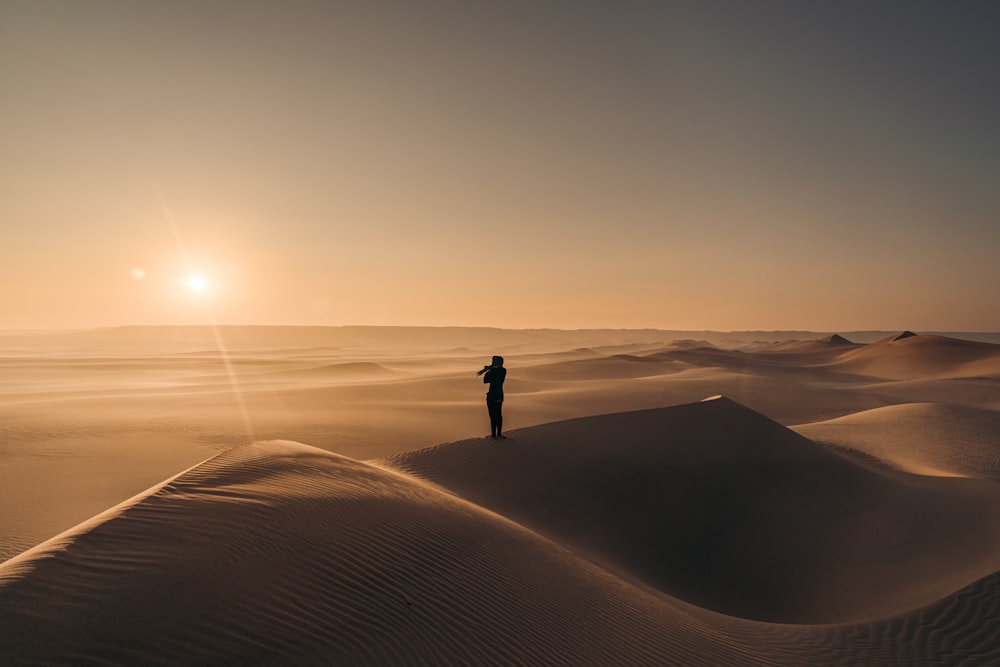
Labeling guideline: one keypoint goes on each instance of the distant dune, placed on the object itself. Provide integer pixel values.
(172, 339)
(619, 366)
(925, 356)
(834, 342)
(361, 370)
(925, 438)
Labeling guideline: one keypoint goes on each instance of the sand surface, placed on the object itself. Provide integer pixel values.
(310, 515)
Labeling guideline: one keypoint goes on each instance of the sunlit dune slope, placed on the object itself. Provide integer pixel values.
(279, 553)
(720, 506)
(920, 437)
(902, 356)
(923, 356)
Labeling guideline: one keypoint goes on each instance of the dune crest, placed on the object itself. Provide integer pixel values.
(925, 356)
(720, 506)
(280, 553)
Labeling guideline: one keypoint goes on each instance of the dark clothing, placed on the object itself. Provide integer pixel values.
(496, 416)
(494, 397)
(495, 377)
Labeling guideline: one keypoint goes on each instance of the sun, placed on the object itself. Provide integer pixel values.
(197, 284)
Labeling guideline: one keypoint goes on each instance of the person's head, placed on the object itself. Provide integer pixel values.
(497, 361)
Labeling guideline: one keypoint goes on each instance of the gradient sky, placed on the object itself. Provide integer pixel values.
(686, 165)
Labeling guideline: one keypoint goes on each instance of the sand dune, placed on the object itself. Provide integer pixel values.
(979, 392)
(798, 359)
(923, 356)
(960, 629)
(280, 553)
(833, 342)
(900, 356)
(925, 438)
(722, 507)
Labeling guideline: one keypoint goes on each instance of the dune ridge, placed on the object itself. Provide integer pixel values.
(720, 506)
(910, 355)
(278, 553)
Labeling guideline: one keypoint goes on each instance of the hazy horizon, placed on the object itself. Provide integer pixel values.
(138, 340)
(682, 165)
(237, 325)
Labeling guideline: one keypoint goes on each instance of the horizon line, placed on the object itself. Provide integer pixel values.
(30, 330)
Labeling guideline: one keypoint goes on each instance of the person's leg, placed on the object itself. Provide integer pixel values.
(496, 420)
(493, 417)
(499, 405)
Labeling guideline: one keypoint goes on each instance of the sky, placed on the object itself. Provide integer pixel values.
(721, 165)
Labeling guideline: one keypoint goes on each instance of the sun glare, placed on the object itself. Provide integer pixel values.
(195, 283)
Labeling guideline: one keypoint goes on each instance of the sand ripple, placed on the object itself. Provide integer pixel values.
(278, 553)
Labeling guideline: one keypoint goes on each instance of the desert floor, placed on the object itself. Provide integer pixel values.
(268, 495)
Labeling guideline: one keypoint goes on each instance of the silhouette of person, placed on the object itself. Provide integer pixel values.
(494, 375)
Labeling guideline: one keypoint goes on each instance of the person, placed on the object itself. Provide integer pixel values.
(494, 375)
